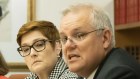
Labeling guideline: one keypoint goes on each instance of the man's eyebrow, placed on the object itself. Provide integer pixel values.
(75, 29)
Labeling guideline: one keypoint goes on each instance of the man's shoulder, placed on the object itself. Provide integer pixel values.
(119, 72)
(120, 56)
(119, 62)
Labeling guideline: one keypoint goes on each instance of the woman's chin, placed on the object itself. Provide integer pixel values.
(37, 69)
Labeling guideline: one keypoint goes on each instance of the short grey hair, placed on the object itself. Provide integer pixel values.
(99, 18)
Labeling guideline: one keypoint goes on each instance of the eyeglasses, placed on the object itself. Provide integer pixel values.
(76, 37)
(38, 46)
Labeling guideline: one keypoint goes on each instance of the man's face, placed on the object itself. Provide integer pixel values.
(82, 52)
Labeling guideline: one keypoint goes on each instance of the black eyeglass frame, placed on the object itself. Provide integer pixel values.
(32, 46)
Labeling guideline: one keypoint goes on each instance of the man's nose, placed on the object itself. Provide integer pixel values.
(70, 44)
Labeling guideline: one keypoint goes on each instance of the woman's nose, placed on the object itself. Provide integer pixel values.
(33, 52)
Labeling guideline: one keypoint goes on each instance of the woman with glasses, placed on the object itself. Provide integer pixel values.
(41, 49)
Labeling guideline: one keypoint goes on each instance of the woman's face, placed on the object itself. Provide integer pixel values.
(44, 60)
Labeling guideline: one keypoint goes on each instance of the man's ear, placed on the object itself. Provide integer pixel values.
(107, 38)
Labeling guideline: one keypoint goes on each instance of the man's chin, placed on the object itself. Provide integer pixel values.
(74, 68)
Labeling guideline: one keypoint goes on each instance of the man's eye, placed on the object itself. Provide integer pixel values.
(80, 35)
(64, 39)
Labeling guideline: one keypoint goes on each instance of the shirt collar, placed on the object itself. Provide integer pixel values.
(91, 76)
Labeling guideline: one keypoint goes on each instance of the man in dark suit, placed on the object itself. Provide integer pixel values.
(88, 45)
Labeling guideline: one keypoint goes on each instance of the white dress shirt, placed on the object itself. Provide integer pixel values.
(91, 76)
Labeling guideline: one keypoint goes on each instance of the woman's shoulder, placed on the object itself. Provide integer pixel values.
(32, 76)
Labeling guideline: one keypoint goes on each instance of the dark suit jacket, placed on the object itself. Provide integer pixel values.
(118, 64)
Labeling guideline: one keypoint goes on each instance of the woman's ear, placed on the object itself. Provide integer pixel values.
(58, 48)
(107, 38)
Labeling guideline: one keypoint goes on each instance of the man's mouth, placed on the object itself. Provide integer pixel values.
(71, 56)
